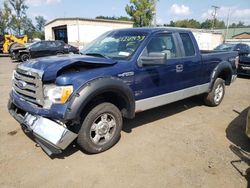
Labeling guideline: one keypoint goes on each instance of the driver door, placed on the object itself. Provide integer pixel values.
(154, 80)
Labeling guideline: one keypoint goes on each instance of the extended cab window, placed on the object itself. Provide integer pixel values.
(163, 43)
(187, 44)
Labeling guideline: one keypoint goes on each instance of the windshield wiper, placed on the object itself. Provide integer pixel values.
(97, 54)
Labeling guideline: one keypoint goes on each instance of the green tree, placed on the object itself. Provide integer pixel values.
(5, 19)
(141, 11)
(171, 24)
(240, 24)
(220, 24)
(27, 27)
(122, 18)
(40, 23)
(187, 23)
(18, 14)
(207, 24)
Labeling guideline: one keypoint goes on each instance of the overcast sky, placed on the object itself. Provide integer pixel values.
(166, 9)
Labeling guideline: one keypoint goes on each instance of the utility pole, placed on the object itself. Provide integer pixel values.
(227, 23)
(214, 15)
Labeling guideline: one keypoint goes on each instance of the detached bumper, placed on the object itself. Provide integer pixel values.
(248, 124)
(52, 136)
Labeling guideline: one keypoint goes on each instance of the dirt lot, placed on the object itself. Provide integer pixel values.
(184, 144)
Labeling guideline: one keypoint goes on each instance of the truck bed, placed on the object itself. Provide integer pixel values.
(219, 55)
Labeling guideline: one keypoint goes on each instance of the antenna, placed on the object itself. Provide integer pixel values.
(214, 14)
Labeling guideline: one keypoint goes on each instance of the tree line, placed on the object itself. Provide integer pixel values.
(14, 20)
(141, 12)
(207, 24)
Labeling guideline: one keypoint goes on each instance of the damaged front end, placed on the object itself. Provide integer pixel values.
(52, 136)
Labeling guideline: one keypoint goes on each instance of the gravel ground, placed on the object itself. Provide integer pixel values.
(184, 144)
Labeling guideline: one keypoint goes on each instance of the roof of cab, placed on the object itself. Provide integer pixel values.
(153, 29)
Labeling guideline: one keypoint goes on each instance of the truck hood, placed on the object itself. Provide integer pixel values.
(50, 66)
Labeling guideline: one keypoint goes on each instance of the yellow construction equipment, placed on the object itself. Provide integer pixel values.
(12, 40)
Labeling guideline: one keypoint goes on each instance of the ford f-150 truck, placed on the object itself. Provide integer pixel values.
(85, 97)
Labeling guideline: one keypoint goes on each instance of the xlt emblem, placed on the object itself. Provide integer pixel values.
(126, 74)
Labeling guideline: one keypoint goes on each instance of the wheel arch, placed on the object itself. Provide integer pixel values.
(111, 90)
(223, 71)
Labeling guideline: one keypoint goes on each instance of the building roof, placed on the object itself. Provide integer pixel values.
(234, 31)
(241, 34)
(89, 19)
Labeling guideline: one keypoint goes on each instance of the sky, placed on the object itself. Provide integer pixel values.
(167, 10)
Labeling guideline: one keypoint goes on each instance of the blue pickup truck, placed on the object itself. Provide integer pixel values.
(85, 97)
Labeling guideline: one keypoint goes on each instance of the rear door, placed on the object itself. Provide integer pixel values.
(52, 48)
(61, 47)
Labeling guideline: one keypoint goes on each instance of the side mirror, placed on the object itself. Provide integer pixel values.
(153, 58)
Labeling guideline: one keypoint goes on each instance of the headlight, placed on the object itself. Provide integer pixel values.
(56, 94)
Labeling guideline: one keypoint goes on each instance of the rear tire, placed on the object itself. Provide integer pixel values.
(100, 129)
(216, 95)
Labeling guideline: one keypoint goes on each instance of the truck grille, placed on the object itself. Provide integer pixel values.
(27, 82)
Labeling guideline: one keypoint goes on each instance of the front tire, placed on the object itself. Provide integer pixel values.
(25, 57)
(216, 95)
(100, 129)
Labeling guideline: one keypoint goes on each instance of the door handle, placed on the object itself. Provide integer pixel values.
(179, 68)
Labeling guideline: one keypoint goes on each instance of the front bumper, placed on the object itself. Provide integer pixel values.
(57, 111)
(52, 136)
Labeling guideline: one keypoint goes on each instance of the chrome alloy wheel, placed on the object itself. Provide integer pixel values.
(218, 94)
(103, 128)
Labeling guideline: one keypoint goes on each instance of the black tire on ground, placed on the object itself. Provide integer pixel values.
(100, 129)
(216, 95)
(24, 57)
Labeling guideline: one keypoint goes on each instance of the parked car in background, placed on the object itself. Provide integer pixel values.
(42, 49)
(244, 65)
(244, 56)
(242, 48)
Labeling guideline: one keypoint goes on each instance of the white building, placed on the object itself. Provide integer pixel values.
(208, 39)
(80, 31)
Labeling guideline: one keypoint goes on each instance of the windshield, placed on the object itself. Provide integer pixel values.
(115, 44)
(226, 47)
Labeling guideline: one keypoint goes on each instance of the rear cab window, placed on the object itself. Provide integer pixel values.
(187, 45)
